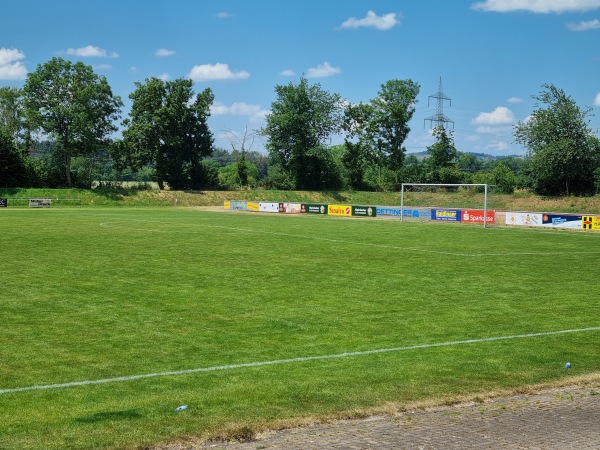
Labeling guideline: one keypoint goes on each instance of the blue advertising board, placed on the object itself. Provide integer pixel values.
(446, 215)
(561, 221)
(421, 213)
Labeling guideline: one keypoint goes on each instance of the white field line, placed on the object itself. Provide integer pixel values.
(286, 361)
(365, 244)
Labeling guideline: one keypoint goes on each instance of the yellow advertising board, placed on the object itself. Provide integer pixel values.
(253, 206)
(590, 222)
(339, 210)
(227, 204)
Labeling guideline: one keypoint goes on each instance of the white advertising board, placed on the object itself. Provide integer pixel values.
(268, 207)
(524, 219)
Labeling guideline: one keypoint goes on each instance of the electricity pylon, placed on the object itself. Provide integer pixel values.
(439, 120)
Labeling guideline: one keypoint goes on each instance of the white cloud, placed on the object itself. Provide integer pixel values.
(323, 70)
(584, 25)
(500, 116)
(254, 112)
(164, 77)
(497, 145)
(597, 99)
(224, 15)
(161, 52)
(11, 67)
(91, 51)
(218, 71)
(536, 6)
(514, 100)
(384, 22)
(102, 67)
(288, 73)
(497, 130)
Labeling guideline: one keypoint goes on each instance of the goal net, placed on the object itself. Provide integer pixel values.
(459, 202)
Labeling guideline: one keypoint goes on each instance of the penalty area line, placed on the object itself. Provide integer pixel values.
(286, 361)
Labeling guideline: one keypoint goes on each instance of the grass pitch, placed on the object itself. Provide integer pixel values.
(255, 301)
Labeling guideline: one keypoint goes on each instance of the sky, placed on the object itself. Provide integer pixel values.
(491, 56)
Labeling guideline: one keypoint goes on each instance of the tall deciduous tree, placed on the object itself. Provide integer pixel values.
(70, 103)
(12, 111)
(303, 118)
(168, 129)
(359, 151)
(392, 111)
(560, 145)
(376, 132)
(13, 172)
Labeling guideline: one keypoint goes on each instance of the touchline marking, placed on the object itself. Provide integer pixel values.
(286, 361)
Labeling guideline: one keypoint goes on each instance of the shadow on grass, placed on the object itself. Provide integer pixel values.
(128, 414)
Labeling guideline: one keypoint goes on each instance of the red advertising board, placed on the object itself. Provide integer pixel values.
(476, 216)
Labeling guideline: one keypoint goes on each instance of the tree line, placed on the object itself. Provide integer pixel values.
(58, 131)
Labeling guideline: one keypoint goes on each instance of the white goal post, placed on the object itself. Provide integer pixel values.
(485, 194)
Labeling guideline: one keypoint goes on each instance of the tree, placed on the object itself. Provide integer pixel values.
(392, 111)
(73, 105)
(560, 145)
(229, 176)
(468, 162)
(442, 163)
(359, 149)
(376, 133)
(168, 129)
(13, 172)
(504, 178)
(302, 120)
(11, 112)
(242, 167)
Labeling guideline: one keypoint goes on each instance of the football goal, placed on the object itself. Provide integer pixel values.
(429, 187)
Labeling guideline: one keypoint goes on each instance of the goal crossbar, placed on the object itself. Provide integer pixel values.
(485, 194)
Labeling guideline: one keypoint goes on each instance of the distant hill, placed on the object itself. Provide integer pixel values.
(484, 156)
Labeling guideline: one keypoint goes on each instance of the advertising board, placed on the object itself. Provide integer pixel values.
(290, 208)
(40, 203)
(476, 216)
(364, 211)
(339, 210)
(524, 219)
(410, 213)
(590, 222)
(268, 207)
(562, 221)
(3, 203)
(253, 206)
(238, 205)
(314, 208)
(446, 215)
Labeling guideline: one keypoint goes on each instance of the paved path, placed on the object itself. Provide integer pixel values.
(560, 418)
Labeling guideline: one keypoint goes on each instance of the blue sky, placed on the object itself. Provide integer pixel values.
(492, 55)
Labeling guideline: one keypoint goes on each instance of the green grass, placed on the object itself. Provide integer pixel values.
(91, 294)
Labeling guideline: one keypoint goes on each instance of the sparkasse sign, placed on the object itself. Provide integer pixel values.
(476, 216)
